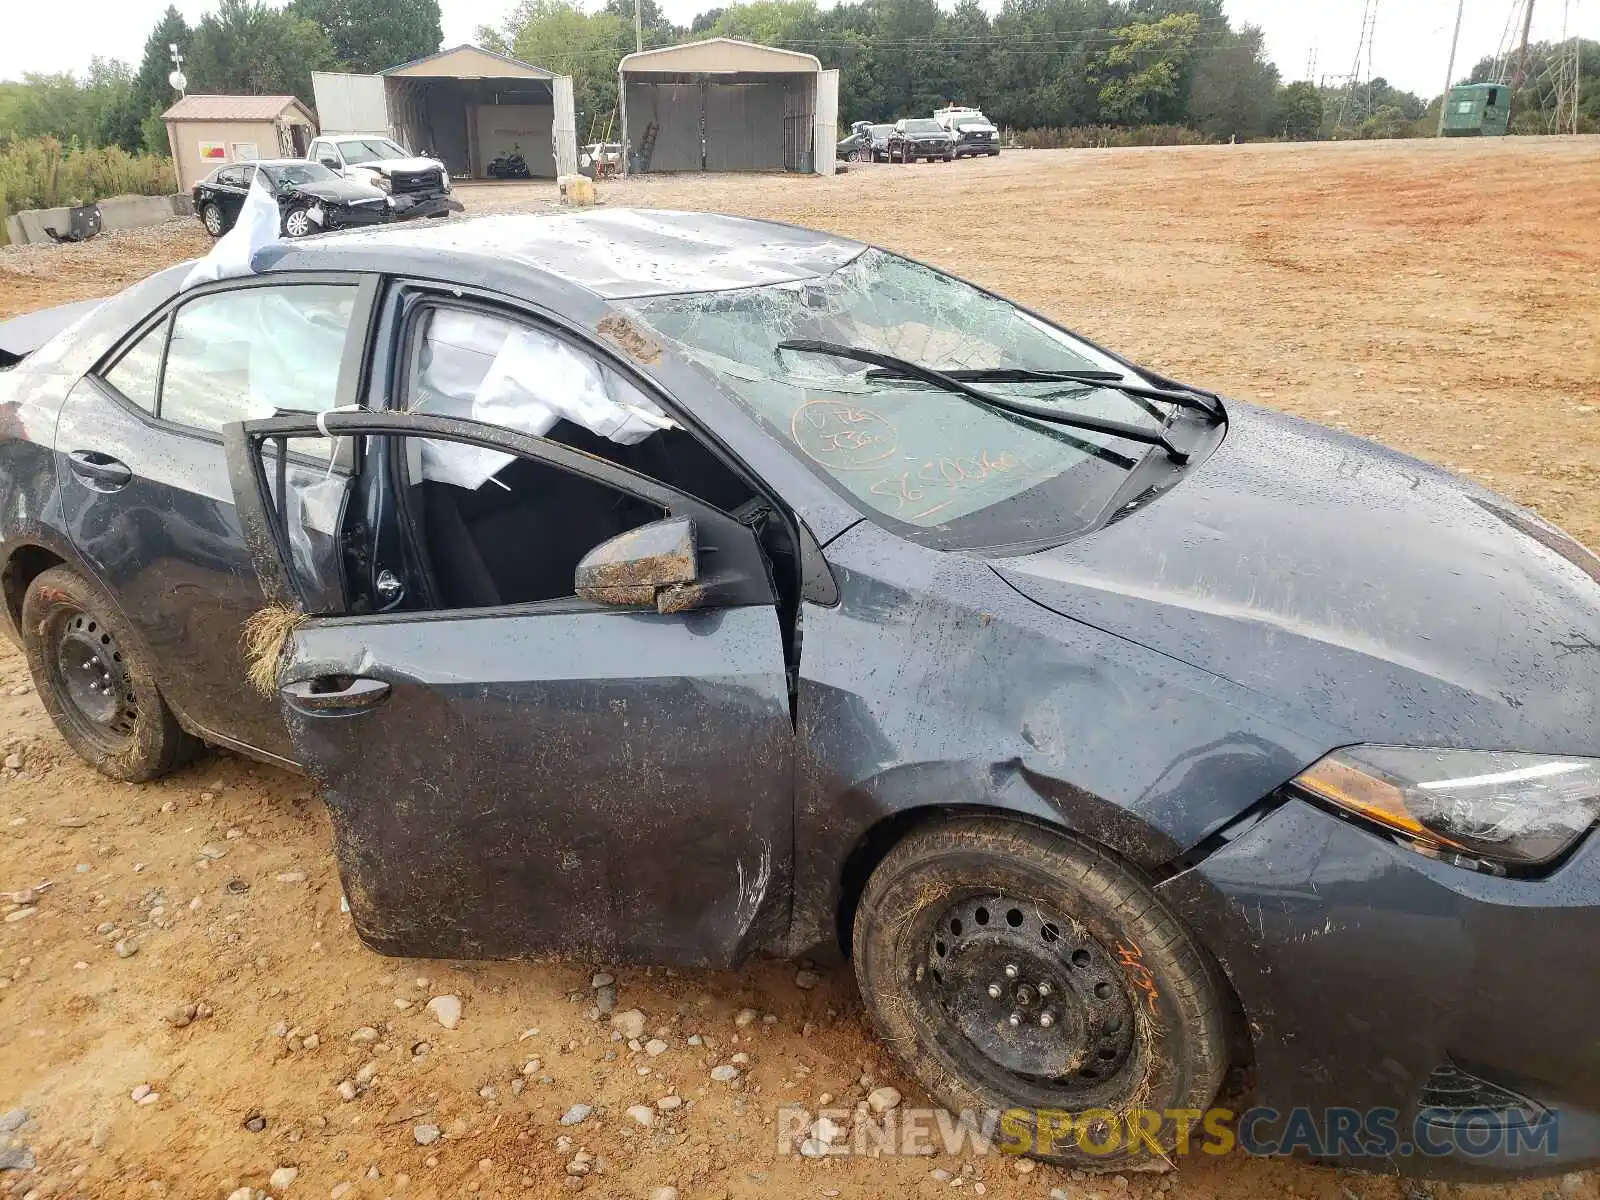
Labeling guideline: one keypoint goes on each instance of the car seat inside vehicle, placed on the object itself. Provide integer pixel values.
(518, 538)
(498, 530)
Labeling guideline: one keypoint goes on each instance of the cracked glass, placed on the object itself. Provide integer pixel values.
(922, 458)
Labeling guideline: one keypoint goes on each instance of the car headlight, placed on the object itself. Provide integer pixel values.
(382, 181)
(1514, 810)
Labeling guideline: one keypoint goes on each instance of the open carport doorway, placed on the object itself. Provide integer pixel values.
(466, 107)
(726, 105)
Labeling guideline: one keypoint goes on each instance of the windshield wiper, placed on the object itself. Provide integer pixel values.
(951, 382)
(1201, 401)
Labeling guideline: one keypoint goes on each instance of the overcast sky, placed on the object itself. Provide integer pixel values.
(1412, 42)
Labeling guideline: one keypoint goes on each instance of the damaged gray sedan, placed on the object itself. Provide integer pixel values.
(673, 588)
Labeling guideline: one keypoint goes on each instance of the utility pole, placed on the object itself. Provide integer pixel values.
(176, 77)
(638, 27)
(1450, 70)
(1522, 50)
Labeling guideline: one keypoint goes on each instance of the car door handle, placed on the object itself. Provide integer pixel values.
(335, 695)
(99, 469)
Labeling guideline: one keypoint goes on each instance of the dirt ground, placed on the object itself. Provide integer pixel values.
(1442, 297)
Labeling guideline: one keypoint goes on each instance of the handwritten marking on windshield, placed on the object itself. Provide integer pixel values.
(945, 473)
(842, 436)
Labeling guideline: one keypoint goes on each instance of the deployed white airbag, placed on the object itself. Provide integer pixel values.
(492, 370)
(257, 226)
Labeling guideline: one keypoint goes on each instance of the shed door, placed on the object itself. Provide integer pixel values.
(564, 129)
(825, 140)
(350, 103)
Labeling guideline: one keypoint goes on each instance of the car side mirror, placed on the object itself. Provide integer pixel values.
(654, 564)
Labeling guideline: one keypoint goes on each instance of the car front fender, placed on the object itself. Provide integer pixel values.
(932, 685)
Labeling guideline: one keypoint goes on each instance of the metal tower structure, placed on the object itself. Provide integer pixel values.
(1361, 70)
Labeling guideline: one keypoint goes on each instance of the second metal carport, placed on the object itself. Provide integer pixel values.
(726, 105)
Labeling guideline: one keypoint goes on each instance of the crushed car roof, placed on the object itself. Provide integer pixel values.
(622, 253)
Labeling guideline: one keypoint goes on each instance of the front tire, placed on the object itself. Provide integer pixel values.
(211, 217)
(1018, 969)
(297, 222)
(97, 688)
(854, 156)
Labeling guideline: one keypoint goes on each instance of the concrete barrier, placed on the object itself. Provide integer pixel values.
(120, 212)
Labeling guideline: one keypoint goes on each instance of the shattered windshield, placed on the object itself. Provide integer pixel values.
(924, 458)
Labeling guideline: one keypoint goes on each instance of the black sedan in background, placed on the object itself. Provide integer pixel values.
(310, 196)
(1134, 733)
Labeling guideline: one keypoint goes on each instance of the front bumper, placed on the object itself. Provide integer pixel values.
(1373, 978)
(353, 216)
(410, 207)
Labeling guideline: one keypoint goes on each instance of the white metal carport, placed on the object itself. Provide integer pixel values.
(464, 106)
(726, 105)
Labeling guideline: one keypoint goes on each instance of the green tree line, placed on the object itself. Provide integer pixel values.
(1049, 65)
(1034, 65)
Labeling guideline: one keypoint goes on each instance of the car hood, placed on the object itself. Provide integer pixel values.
(346, 191)
(388, 166)
(1351, 587)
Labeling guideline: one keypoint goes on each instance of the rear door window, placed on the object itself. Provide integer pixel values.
(138, 372)
(252, 351)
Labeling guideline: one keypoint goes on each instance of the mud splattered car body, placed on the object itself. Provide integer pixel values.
(1148, 627)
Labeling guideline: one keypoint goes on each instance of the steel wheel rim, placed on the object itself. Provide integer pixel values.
(297, 224)
(93, 681)
(213, 220)
(1039, 1000)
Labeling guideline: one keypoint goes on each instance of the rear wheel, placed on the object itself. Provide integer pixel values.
(97, 689)
(1015, 968)
(211, 217)
(855, 156)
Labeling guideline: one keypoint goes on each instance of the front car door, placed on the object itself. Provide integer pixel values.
(327, 153)
(144, 482)
(516, 770)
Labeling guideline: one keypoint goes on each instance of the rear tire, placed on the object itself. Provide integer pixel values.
(968, 923)
(97, 688)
